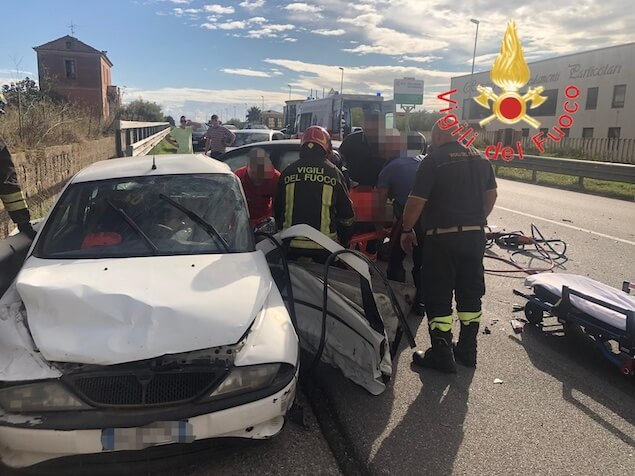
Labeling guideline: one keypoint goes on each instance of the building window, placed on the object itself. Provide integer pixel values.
(465, 112)
(592, 98)
(565, 130)
(68, 45)
(525, 132)
(544, 130)
(69, 67)
(547, 108)
(614, 133)
(619, 96)
(587, 133)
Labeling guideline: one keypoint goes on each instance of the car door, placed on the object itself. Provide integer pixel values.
(341, 316)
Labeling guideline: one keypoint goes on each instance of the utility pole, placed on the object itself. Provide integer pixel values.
(342, 82)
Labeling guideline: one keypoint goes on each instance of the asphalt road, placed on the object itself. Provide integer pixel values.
(561, 409)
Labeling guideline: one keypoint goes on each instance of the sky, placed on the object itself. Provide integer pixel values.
(198, 57)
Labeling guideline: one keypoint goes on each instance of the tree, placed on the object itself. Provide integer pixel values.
(254, 115)
(169, 119)
(140, 110)
(235, 122)
(25, 92)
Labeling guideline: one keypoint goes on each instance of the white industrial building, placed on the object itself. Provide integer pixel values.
(605, 77)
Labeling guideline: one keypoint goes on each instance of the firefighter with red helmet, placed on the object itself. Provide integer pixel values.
(312, 191)
(10, 192)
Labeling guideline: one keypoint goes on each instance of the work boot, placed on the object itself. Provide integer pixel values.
(439, 356)
(465, 349)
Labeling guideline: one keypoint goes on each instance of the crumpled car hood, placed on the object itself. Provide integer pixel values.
(110, 311)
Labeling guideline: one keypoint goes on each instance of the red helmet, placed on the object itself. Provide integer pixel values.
(319, 136)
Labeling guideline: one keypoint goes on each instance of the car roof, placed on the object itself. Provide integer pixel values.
(168, 164)
(274, 144)
(249, 131)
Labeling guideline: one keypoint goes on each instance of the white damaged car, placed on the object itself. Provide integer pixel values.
(143, 315)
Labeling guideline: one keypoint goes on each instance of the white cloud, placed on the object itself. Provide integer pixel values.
(337, 32)
(364, 79)
(246, 72)
(180, 1)
(421, 59)
(210, 26)
(252, 5)
(258, 20)
(221, 10)
(269, 31)
(233, 25)
(290, 40)
(302, 8)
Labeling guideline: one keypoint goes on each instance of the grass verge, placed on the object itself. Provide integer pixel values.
(163, 147)
(622, 191)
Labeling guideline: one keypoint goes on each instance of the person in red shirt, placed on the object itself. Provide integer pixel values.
(259, 179)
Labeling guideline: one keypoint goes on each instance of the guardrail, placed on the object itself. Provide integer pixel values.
(577, 168)
(134, 138)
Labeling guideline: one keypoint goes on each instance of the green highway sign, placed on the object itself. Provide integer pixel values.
(408, 91)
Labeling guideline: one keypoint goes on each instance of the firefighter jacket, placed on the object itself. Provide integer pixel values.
(312, 192)
(10, 193)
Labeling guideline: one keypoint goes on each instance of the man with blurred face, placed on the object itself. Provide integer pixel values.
(361, 151)
(259, 179)
(395, 182)
(218, 138)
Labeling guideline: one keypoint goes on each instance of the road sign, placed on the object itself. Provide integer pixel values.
(408, 91)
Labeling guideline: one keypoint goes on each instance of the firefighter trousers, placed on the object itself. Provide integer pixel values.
(452, 264)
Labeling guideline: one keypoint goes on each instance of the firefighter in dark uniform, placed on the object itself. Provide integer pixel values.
(10, 192)
(312, 191)
(456, 191)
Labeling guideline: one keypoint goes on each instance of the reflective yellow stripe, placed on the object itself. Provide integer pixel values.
(305, 244)
(15, 206)
(469, 317)
(288, 203)
(12, 197)
(325, 220)
(443, 323)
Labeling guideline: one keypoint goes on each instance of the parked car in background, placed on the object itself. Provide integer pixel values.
(250, 136)
(198, 137)
(254, 126)
(231, 127)
(281, 153)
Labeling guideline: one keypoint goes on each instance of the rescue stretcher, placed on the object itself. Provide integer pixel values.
(605, 313)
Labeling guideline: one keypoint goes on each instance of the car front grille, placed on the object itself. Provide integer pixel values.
(145, 388)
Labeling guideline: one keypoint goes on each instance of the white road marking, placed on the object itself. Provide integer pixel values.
(567, 225)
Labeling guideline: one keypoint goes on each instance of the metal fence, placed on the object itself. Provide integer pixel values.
(597, 148)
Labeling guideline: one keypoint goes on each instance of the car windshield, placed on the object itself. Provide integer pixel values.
(250, 137)
(144, 216)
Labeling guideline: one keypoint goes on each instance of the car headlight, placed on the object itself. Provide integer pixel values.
(39, 397)
(251, 378)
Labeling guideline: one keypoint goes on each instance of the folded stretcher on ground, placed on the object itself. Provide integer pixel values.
(605, 313)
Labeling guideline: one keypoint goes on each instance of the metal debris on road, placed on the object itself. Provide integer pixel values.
(517, 325)
(497, 380)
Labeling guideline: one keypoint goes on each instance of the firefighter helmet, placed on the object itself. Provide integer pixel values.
(317, 135)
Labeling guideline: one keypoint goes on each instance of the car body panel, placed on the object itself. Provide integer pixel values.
(260, 419)
(250, 136)
(109, 311)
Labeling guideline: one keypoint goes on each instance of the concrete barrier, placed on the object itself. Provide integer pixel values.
(44, 172)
